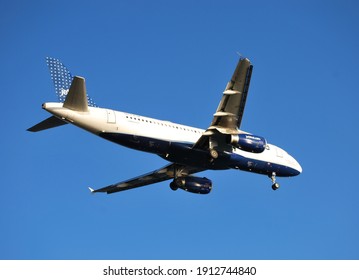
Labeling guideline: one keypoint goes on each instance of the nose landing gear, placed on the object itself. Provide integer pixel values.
(275, 185)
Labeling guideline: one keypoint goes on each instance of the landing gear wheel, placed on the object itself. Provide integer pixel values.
(275, 186)
(213, 153)
(173, 186)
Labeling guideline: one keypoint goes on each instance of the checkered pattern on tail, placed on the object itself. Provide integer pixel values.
(62, 79)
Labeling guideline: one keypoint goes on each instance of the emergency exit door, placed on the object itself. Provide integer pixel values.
(111, 116)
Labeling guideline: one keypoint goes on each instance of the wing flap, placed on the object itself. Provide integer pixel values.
(168, 172)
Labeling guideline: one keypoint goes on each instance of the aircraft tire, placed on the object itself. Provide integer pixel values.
(275, 186)
(213, 153)
(173, 186)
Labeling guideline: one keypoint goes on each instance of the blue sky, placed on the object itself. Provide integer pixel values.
(171, 60)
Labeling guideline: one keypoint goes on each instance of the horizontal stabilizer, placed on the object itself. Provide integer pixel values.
(46, 124)
(76, 98)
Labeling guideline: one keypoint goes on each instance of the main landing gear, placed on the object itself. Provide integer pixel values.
(213, 153)
(275, 185)
(173, 186)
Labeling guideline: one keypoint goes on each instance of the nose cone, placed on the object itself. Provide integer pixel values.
(296, 166)
(299, 168)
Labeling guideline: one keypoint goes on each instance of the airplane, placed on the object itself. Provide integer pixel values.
(189, 150)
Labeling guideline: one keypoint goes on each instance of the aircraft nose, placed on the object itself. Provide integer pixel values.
(297, 166)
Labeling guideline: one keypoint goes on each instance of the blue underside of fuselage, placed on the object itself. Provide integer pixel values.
(182, 153)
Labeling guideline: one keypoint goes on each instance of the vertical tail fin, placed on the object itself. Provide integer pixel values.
(62, 79)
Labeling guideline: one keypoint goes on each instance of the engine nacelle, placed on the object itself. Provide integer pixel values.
(192, 184)
(248, 142)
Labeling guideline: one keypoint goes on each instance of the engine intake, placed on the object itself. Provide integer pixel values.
(192, 184)
(248, 142)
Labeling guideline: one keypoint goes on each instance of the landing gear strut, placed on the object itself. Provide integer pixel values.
(275, 185)
(173, 184)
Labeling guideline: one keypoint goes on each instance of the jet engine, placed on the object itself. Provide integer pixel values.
(192, 184)
(248, 142)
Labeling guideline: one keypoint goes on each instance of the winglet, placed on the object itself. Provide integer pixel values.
(76, 98)
(91, 190)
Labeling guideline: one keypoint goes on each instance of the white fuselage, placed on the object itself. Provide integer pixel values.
(130, 130)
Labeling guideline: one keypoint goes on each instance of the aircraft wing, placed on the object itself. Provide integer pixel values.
(228, 117)
(168, 172)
